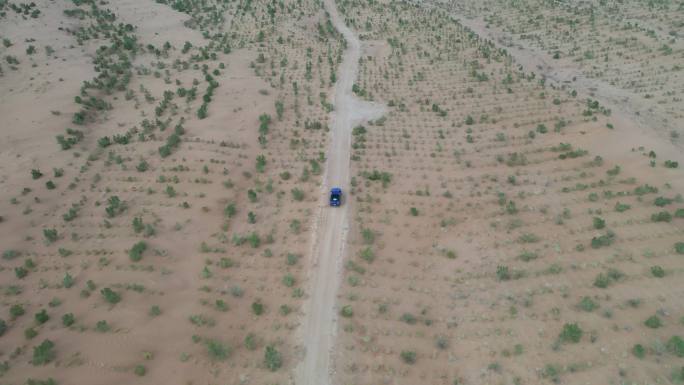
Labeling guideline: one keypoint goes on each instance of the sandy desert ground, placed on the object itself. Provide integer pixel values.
(513, 209)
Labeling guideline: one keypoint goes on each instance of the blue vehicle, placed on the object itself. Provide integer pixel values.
(335, 196)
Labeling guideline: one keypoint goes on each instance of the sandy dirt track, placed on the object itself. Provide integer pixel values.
(327, 252)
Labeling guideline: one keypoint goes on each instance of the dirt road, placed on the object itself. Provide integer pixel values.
(317, 331)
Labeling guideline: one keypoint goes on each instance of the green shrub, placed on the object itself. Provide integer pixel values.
(679, 247)
(662, 216)
(20, 272)
(297, 194)
(102, 326)
(218, 350)
(502, 273)
(140, 370)
(675, 345)
(17, 311)
(639, 351)
(408, 356)
(653, 322)
(622, 207)
(110, 295)
(36, 174)
(257, 308)
(68, 319)
(527, 256)
(662, 201)
(603, 240)
(50, 235)
(43, 353)
(136, 252)
(347, 311)
(599, 223)
(42, 317)
(587, 304)
(3, 327)
(250, 341)
(413, 211)
(272, 358)
(571, 333)
(409, 318)
(657, 271)
(30, 333)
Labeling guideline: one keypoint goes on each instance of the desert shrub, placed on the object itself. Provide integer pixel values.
(297, 194)
(527, 256)
(603, 240)
(413, 211)
(409, 318)
(140, 370)
(102, 326)
(115, 206)
(3, 327)
(36, 174)
(257, 308)
(675, 345)
(503, 273)
(408, 356)
(110, 295)
(50, 235)
(272, 358)
(442, 342)
(367, 254)
(42, 317)
(657, 271)
(288, 280)
(587, 304)
(571, 332)
(17, 311)
(30, 333)
(218, 350)
(142, 166)
(679, 247)
(662, 201)
(599, 223)
(43, 353)
(671, 164)
(347, 311)
(154, 311)
(138, 225)
(653, 322)
(20, 272)
(250, 341)
(68, 281)
(368, 236)
(639, 351)
(136, 252)
(679, 213)
(68, 319)
(662, 216)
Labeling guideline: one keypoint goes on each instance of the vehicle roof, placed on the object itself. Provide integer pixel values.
(336, 190)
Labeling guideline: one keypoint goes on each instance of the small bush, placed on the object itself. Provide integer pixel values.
(571, 333)
(140, 370)
(137, 251)
(502, 273)
(679, 247)
(42, 317)
(599, 223)
(653, 322)
(272, 358)
(43, 353)
(587, 304)
(347, 311)
(408, 356)
(258, 308)
(662, 216)
(657, 271)
(68, 319)
(218, 350)
(675, 345)
(110, 295)
(409, 318)
(3, 327)
(639, 351)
